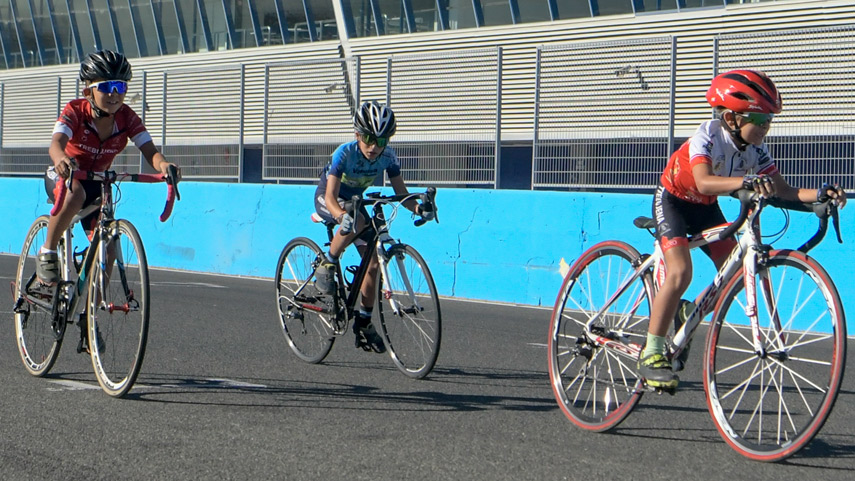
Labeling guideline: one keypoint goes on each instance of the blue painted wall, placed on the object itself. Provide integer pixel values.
(496, 245)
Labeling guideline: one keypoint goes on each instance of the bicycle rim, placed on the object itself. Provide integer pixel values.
(118, 310)
(38, 342)
(769, 407)
(303, 310)
(410, 318)
(593, 373)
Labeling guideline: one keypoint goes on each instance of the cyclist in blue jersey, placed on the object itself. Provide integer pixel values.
(354, 167)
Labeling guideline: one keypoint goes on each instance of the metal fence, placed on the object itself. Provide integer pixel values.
(199, 119)
(20, 108)
(813, 139)
(308, 109)
(449, 116)
(603, 114)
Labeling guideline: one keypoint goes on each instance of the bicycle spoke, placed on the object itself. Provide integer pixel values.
(118, 309)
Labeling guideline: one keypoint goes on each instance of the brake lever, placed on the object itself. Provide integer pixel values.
(835, 221)
(172, 180)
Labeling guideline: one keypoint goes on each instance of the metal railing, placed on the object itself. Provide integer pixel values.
(603, 118)
(813, 139)
(308, 111)
(603, 114)
(449, 116)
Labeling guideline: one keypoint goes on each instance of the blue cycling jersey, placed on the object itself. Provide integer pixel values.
(356, 172)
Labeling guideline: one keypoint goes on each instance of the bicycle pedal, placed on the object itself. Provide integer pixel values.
(670, 390)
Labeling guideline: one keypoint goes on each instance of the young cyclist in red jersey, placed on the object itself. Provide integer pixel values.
(88, 135)
(724, 155)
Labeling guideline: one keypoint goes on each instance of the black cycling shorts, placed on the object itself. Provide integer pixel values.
(92, 188)
(677, 220)
(367, 235)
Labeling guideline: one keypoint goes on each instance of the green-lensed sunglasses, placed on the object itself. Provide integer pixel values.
(371, 140)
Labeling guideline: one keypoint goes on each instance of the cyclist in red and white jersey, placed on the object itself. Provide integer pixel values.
(724, 155)
(88, 135)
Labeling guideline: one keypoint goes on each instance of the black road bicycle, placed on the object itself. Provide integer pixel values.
(407, 302)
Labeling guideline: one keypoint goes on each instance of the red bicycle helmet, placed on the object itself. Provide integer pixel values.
(745, 91)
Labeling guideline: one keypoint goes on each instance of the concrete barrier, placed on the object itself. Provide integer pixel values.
(494, 245)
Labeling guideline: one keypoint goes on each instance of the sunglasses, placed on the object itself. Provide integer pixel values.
(371, 140)
(111, 86)
(757, 119)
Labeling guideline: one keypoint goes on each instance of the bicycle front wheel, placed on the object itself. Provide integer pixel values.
(769, 403)
(593, 371)
(411, 322)
(38, 338)
(118, 308)
(303, 312)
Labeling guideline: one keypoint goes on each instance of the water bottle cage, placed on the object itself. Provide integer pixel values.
(349, 275)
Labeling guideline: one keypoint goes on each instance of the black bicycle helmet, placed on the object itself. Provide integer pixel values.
(105, 65)
(375, 119)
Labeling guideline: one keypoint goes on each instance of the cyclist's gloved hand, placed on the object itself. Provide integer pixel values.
(346, 223)
(762, 184)
(828, 191)
(425, 214)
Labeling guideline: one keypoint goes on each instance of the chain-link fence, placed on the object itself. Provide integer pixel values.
(603, 114)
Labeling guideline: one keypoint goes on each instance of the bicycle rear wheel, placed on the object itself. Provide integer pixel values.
(411, 323)
(767, 407)
(118, 309)
(304, 313)
(38, 338)
(593, 372)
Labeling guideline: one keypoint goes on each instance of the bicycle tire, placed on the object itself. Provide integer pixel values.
(117, 313)
(769, 407)
(303, 310)
(596, 386)
(38, 339)
(413, 334)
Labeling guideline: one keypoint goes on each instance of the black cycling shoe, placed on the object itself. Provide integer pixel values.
(657, 373)
(367, 338)
(83, 343)
(47, 268)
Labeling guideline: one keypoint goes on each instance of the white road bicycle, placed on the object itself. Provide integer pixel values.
(775, 349)
(109, 279)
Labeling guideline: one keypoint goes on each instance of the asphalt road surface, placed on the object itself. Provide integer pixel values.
(220, 396)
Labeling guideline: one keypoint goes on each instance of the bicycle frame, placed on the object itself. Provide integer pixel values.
(73, 279)
(769, 391)
(76, 277)
(745, 255)
(382, 239)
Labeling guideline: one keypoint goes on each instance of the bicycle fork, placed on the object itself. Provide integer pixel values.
(383, 257)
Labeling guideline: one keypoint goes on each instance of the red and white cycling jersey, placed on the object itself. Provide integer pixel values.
(84, 145)
(712, 144)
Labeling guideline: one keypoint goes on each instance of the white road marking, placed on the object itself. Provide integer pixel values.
(65, 385)
(68, 385)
